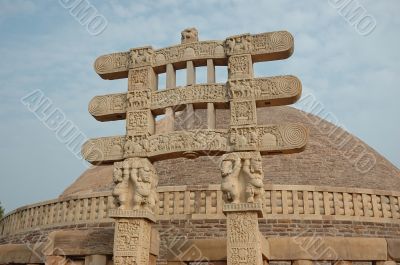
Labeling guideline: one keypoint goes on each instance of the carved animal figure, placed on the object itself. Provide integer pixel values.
(189, 35)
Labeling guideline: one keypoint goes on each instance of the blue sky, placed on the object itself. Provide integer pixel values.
(44, 47)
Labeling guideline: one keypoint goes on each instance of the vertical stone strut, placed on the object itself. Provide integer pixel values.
(242, 174)
(210, 106)
(169, 111)
(190, 80)
(136, 178)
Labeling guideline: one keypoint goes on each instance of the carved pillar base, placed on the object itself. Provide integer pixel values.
(132, 236)
(245, 244)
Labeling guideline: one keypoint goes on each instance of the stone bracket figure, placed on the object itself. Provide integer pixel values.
(242, 177)
(136, 182)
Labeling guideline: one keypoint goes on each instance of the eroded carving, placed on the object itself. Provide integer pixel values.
(189, 35)
(242, 177)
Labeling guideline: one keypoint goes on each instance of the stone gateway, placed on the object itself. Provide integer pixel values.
(211, 173)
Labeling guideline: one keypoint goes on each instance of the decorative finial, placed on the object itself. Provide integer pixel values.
(189, 35)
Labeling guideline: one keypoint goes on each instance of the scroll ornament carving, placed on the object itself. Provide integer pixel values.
(111, 62)
(136, 181)
(242, 177)
(107, 104)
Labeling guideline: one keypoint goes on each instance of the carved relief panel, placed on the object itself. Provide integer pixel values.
(243, 242)
(132, 242)
(138, 99)
(239, 44)
(142, 78)
(243, 113)
(139, 122)
(240, 66)
(141, 56)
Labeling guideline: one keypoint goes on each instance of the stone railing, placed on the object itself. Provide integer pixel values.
(205, 202)
(73, 210)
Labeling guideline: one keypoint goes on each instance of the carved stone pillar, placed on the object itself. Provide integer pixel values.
(244, 240)
(242, 184)
(135, 191)
(132, 237)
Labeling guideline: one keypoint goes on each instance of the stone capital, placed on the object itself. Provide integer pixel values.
(244, 207)
(135, 214)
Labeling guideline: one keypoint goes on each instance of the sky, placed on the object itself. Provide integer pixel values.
(349, 63)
